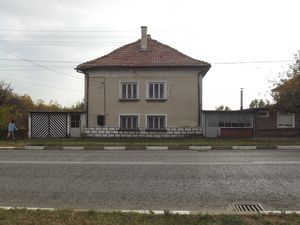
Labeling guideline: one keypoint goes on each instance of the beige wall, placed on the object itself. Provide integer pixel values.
(181, 106)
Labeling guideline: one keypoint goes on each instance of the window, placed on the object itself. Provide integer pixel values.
(263, 113)
(156, 122)
(129, 91)
(100, 120)
(75, 120)
(156, 90)
(285, 120)
(227, 124)
(129, 122)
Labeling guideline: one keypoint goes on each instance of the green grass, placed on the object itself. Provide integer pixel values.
(141, 141)
(69, 217)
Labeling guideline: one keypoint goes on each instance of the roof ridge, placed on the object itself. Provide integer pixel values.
(156, 55)
(179, 52)
(104, 56)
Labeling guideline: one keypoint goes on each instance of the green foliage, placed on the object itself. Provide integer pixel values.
(16, 107)
(286, 92)
(222, 108)
(259, 103)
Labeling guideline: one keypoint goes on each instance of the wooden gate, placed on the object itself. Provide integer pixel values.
(49, 125)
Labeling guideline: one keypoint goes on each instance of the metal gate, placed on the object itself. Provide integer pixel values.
(49, 125)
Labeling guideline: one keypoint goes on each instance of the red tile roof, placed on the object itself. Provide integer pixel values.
(156, 55)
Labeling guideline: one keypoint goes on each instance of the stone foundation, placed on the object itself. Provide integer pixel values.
(168, 133)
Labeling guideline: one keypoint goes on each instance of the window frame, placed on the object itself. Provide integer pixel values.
(129, 115)
(267, 114)
(284, 125)
(165, 89)
(76, 121)
(156, 115)
(103, 124)
(129, 82)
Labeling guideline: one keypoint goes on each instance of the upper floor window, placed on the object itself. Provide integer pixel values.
(285, 120)
(156, 90)
(129, 90)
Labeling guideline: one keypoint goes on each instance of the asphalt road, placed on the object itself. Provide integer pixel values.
(156, 180)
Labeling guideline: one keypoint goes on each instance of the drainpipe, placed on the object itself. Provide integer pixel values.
(199, 98)
(86, 95)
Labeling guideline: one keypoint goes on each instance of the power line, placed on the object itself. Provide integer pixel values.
(253, 62)
(35, 60)
(41, 85)
(214, 63)
(39, 65)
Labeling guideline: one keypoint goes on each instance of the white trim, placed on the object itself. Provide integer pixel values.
(29, 125)
(293, 120)
(137, 89)
(129, 114)
(154, 114)
(264, 116)
(165, 89)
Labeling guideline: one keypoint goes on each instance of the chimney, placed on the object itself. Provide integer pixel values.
(144, 38)
(242, 96)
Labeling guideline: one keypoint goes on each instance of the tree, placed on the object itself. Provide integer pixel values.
(286, 91)
(5, 91)
(259, 103)
(222, 108)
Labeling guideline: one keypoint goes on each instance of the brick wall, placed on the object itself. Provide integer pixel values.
(279, 132)
(236, 132)
(168, 133)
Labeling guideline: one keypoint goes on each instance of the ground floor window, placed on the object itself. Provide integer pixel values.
(101, 120)
(75, 120)
(128, 122)
(285, 120)
(156, 122)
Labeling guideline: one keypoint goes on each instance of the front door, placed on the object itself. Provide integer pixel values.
(75, 125)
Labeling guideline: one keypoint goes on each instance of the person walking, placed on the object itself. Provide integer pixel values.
(12, 128)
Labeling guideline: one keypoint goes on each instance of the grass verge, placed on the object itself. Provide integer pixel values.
(141, 141)
(69, 217)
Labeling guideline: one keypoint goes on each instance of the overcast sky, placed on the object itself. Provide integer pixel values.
(55, 36)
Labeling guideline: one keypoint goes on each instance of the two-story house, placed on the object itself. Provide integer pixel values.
(143, 89)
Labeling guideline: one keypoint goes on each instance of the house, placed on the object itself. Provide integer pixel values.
(143, 89)
(257, 122)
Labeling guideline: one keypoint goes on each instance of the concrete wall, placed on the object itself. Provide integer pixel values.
(181, 106)
(168, 133)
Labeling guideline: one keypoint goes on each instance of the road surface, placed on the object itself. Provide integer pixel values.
(156, 180)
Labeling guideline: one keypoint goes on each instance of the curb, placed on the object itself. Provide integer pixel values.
(244, 147)
(9, 148)
(157, 147)
(161, 212)
(152, 148)
(291, 147)
(73, 148)
(114, 148)
(29, 147)
(200, 147)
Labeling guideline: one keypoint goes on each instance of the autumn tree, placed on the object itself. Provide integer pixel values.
(259, 103)
(286, 91)
(222, 108)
